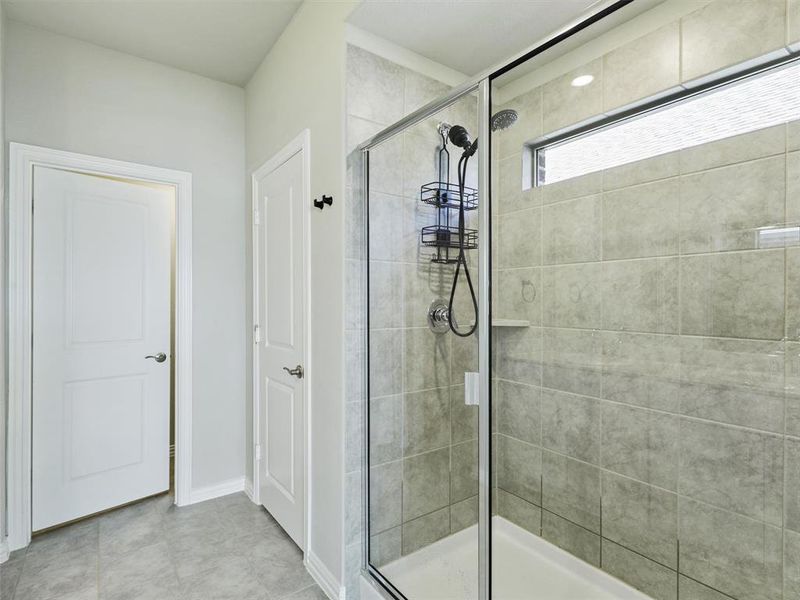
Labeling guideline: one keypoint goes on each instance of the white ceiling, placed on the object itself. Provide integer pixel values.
(466, 35)
(222, 39)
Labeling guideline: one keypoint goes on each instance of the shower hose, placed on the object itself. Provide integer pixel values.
(462, 258)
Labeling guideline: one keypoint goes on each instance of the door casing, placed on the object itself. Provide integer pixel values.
(302, 143)
(23, 159)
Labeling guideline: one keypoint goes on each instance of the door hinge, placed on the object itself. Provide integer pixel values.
(256, 217)
(258, 451)
(257, 334)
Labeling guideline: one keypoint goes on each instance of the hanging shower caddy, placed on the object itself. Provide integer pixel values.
(444, 196)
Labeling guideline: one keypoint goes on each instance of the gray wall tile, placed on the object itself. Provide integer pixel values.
(464, 418)
(528, 126)
(426, 483)
(733, 381)
(382, 78)
(641, 518)
(734, 554)
(653, 579)
(519, 468)
(510, 196)
(693, 590)
(385, 362)
(793, 293)
(793, 187)
(385, 496)
(423, 282)
(385, 547)
(426, 421)
(463, 471)
(427, 360)
(385, 294)
(642, 369)
(658, 167)
(520, 512)
(793, 134)
(422, 532)
(791, 565)
(571, 489)
(641, 221)
(519, 239)
(571, 425)
(735, 149)
(563, 104)
(463, 514)
(793, 388)
(641, 443)
(735, 469)
(385, 237)
(385, 174)
(354, 420)
(722, 209)
(572, 361)
(641, 295)
(519, 411)
(521, 296)
(518, 355)
(573, 538)
(571, 231)
(572, 188)
(792, 500)
(642, 68)
(572, 295)
(727, 32)
(733, 295)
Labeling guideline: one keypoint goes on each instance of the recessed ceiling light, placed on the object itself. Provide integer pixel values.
(582, 80)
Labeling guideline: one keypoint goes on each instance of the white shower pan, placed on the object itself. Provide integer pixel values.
(524, 567)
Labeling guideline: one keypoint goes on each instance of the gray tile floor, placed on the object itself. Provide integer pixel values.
(215, 550)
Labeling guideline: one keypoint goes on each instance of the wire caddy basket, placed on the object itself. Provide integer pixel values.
(444, 196)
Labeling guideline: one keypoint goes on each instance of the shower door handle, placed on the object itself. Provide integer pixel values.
(297, 371)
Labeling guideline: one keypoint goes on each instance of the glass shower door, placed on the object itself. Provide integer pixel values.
(422, 504)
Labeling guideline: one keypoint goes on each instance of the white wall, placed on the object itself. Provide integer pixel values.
(300, 85)
(74, 96)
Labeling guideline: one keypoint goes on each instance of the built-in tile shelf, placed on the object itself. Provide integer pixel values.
(510, 323)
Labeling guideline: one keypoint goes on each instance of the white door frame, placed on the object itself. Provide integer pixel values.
(23, 158)
(302, 143)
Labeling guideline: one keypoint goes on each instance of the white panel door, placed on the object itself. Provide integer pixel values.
(101, 303)
(281, 319)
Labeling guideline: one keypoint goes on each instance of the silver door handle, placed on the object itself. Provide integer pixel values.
(160, 357)
(297, 371)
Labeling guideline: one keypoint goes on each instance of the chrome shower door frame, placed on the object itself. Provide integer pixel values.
(481, 86)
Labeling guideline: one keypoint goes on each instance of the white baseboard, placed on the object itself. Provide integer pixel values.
(215, 491)
(324, 578)
(3, 550)
(248, 489)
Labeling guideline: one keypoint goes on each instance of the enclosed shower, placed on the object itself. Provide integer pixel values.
(582, 338)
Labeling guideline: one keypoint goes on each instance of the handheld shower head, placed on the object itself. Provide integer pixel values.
(459, 136)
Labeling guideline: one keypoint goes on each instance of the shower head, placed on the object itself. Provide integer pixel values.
(459, 136)
(504, 119)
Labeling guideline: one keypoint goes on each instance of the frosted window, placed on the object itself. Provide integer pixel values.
(756, 102)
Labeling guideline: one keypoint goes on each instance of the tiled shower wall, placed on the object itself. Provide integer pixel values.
(423, 451)
(648, 421)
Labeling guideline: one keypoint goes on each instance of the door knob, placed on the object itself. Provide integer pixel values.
(160, 357)
(297, 371)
